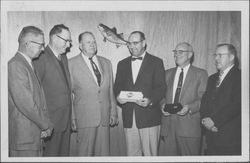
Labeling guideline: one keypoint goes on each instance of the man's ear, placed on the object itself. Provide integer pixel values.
(144, 43)
(190, 54)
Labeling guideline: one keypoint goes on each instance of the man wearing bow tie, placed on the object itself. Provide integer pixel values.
(141, 72)
(94, 102)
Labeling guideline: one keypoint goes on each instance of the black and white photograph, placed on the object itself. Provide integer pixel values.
(124, 81)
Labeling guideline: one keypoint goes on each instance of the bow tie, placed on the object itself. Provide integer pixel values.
(135, 58)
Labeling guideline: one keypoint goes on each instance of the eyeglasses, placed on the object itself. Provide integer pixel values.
(180, 52)
(220, 54)
(70, 41)
(134, 43)
(41, 44)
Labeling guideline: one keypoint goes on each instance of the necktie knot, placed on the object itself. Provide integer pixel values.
(135, 58)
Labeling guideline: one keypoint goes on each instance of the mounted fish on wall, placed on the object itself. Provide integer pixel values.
(111, 35)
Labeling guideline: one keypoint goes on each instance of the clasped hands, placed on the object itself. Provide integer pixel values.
(46, 133)
(182, 112)
(209, 124)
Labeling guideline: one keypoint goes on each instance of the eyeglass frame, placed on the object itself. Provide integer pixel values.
(134, 43)
(180, 52)
(41, 44)
(220, 54)
(70, 41)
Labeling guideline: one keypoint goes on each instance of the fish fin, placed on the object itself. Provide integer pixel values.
(104, 39)
(117, 45)
(121, 35)
(114, 30)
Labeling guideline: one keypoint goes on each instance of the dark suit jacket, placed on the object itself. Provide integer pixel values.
(223, 106)
(93, 104)
(150, 81)
(193, 88)
(57, 88)
(28, 114)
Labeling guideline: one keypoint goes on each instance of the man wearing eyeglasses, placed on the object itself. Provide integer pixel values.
(221, 104)
(141, 72)
(52, 67)
(29, 121)
(180, 129)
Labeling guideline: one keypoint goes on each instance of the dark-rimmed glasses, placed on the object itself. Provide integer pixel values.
(180, 52)
(41, 44)
(220, 54)
(70, 41)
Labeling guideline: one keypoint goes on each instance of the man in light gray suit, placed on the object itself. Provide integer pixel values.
(28, 115)
(94, 102)
(181, 131)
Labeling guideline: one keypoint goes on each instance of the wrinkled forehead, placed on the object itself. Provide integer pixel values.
(134, 37)
(184, 46)
(88, 37)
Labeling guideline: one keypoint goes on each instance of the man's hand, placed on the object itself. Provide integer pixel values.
(46, 133)
(113, 121)
(209, 124)
(184, 110)
(121, 101)
(144, 102)
(164, 112)
(73, 125)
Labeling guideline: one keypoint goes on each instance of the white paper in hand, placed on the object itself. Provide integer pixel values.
(130, 96)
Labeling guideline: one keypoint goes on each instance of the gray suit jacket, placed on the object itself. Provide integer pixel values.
(57, 88)
(191, 94)
(93, 105)
(28, 114)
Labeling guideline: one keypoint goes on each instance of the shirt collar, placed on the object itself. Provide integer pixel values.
(143, 55)
(185, 69)
(54, 52)
(26, 58)
(227, 70)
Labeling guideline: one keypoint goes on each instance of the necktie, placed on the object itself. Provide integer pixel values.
(178, 89)
(135, 58)
(219, 79)
(96, 71)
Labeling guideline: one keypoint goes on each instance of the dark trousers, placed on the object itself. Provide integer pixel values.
(58, 144)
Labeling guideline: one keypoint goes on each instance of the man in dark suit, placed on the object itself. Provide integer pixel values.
(144, 73)
(28, 114)
(52, 67)
(181, 131)
(94, 101)
(221, 104)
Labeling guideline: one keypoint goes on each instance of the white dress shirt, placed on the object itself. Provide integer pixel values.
(27, 59)
(225, 73)
(87, 61)
(135, 66)
(176, 79)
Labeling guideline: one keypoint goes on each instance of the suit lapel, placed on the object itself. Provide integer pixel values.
(143, 67)
(101, 67)
(32, 72)
(85, 68)
(129, 73)
(188, 79)
(66, 69)
(171, 85)
(55, 62)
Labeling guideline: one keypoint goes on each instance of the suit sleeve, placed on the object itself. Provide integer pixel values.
(204, 108)
(195, 105)
(159, 86)
(73, 115)
(113, 110)
(20, 90)
(232, 108)
(118, 80)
